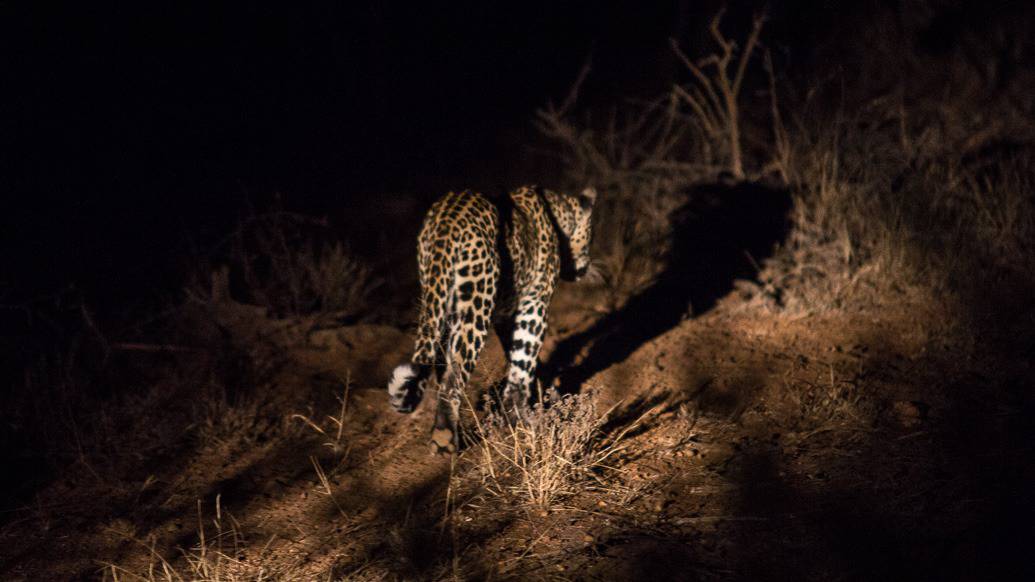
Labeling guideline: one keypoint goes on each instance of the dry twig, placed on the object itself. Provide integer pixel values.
(713, 98)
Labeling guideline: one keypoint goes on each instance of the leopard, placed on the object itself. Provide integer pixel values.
(489, 261)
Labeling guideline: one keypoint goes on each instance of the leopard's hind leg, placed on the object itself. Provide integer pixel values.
(410, 381)
(471, 316)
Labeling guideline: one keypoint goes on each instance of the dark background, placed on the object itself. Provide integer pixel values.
(129, 127)
(129, 130)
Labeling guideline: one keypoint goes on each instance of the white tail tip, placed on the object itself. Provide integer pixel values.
(402, 374)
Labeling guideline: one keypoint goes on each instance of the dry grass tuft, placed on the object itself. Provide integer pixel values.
(833, 404)
(221, 555)
(336, 424)
(555, 453)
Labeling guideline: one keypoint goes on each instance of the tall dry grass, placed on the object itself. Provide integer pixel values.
(885, 198)
(925, 185)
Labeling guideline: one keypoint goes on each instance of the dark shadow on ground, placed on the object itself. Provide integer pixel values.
(950, 498)
(720, 235)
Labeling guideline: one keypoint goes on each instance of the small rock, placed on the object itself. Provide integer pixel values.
(909, 413)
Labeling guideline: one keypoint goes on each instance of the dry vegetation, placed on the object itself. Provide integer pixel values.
(896, 188)
(289, 264)
(215, 557)
(722, 448)
(558, 452)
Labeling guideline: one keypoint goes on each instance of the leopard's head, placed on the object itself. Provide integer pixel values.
(576, 223)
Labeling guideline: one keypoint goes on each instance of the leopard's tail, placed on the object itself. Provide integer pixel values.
(407, 385)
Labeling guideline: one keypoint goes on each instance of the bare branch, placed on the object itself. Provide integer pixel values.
(782, 156)
(695, 70)
(702, 116)
(573, 93)
(756, 29)
(717, 111)
(726, 46)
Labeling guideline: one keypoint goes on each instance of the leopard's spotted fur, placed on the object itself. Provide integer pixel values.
(485, 262)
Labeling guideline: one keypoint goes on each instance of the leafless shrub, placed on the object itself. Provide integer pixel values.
(714, 99)
(284, 262)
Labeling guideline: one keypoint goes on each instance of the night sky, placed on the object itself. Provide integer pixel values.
(129, 128)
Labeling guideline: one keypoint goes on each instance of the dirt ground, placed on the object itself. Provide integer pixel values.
(878, 444)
